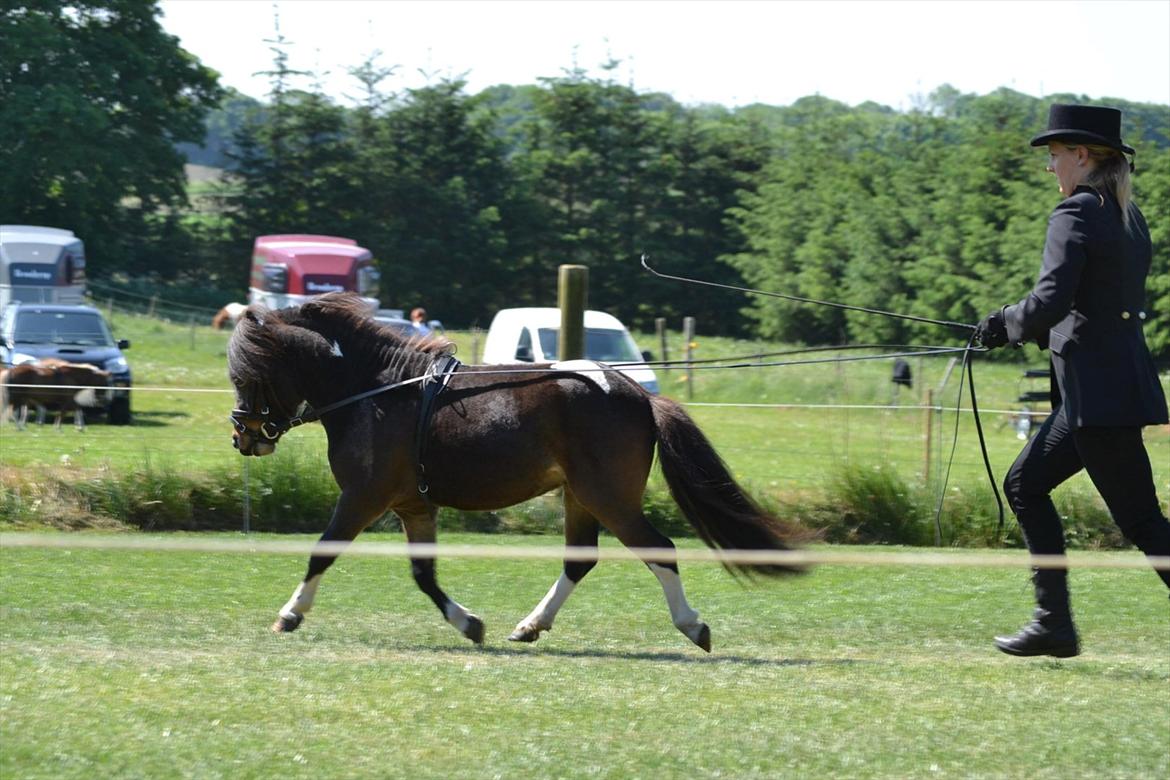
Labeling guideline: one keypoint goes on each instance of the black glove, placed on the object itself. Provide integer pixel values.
(992, 332)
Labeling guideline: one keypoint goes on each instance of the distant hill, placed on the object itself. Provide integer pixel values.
(198, 174)
(221, 124)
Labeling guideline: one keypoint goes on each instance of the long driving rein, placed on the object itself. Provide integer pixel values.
(272, 428)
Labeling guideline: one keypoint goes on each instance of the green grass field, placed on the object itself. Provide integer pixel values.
(160, 664)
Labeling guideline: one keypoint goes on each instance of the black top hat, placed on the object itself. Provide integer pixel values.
(1084, 124)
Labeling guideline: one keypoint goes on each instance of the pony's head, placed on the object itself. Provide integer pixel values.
(262, 372)
(279, 360)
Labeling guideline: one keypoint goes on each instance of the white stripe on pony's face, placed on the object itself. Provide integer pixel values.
(336, 349)
(587, 368)
(302, 599)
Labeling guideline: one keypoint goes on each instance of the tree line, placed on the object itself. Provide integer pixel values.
(470, 201)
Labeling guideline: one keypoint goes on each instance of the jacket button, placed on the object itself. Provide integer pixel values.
(1125, 315)
(1141, 315)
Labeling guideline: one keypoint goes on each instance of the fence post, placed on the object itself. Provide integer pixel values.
(153, 301)
(660, 331)
(192, 325)
(688, 346)
(247, 497)
(572, 295)
(928, 422)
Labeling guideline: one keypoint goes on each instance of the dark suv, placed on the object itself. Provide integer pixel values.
(78, 334)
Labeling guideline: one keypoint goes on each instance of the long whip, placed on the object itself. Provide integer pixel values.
(799, 299)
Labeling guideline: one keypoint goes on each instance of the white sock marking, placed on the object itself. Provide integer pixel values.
(302, 598)
(542, 616)
(457, 615)
(682, 615)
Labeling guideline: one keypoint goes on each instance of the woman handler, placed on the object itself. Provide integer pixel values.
(1087, 308)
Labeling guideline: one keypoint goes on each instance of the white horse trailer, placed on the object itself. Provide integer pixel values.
(40, 265)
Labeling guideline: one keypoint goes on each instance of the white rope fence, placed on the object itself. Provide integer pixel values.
(807, 557)
(709, 404)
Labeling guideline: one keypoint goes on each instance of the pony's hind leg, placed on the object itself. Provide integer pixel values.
(684, 617)
(420, 529)
(639, 533)
(580, 531)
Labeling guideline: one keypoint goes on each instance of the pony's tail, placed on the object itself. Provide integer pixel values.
(724, 516)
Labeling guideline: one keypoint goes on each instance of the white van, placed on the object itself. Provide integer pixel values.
(530, 336)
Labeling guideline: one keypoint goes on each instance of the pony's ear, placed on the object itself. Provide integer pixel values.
(254, 316)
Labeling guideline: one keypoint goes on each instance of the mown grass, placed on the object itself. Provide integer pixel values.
(140, 664)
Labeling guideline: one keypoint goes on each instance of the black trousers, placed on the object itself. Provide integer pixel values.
(1116, 462)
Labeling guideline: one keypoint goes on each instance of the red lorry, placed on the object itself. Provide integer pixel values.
(287, 270)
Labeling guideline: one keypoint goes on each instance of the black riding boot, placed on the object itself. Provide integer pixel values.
(1051, 631)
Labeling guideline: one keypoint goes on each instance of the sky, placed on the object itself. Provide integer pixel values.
(728, 52)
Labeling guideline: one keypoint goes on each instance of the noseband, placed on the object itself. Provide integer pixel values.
(271, 429)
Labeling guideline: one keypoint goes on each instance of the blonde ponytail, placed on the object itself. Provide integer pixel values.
(1111, 173)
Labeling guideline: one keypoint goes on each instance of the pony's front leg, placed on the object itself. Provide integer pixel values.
(420, 529)
(350, 518)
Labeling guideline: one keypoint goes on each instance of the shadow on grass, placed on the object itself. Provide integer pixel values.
(155, 419)
(659, 657)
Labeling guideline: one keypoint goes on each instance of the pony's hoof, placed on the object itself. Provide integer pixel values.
(703, 639)
(524, 634)
(474, 630)
(284, 625)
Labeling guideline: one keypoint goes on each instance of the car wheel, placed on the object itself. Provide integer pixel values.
(120, 411)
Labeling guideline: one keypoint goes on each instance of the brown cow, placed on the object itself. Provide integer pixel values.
(50, 384)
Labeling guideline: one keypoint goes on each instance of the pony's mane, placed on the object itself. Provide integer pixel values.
(346, 312)
(262, 336)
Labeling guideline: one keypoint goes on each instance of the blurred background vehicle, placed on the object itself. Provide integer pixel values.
(75, 334)
(530, 335)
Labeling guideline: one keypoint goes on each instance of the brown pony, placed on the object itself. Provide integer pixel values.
(498, 436)
(50, 384)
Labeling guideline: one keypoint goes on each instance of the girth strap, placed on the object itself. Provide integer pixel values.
(433, 383)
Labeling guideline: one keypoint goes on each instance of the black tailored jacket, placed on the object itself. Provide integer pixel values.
(1087, 308)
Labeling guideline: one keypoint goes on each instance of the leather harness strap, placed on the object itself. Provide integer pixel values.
(434, 382)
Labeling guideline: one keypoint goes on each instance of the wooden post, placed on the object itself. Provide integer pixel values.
(928, 431)
(247, 498)
(572, 297)
(660, 330)
(688, 340)
(927, 451)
